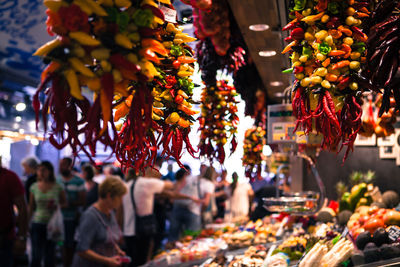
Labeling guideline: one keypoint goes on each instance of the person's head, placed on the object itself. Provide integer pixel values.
(111, 191)
(131, 174)
(45, 172)
(224, 173)
(65, 166)
(108, 170)
(181, 174)
(159, 161)
(87, 172)
(170, 167)
(209, 173)
(30, 165)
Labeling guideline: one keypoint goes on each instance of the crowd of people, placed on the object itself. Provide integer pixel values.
(109, 218)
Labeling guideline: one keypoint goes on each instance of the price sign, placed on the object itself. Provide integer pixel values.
(393, 233)
(169, 14)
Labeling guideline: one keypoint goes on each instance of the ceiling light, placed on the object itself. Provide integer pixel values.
(18, 119)
(20, 106)
(28, 137)
(21, 131)
(259, 27)
(276, 83)
(34, 141)
(15, 126)
(279, 94)
(267, 53)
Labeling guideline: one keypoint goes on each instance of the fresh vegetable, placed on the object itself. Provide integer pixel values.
(254, 140)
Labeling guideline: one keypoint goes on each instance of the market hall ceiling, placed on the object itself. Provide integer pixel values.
(265, 46)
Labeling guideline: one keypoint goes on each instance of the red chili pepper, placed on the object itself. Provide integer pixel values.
(343, 83)
(288, 39)
(179, 99)
(298, 69)
(358, 34)
(291, 25)
(297, 34)
(322, 5)
(176, 64)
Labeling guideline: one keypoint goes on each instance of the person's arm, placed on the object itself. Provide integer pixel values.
(32, 206)
(250, 192)
(90, 255)
(220, 193)
(22, 219)
(168, 185)
(205, 201)
(173, 195)
(63, 199)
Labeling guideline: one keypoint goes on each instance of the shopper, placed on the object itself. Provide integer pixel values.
(186, 214)
(241, 197)
(12, 194)
(92, 188)
(98, 232)
(29, 165)
(46, 195)
(221, 195)
(76, 196)
(98, 173)
(170, 176)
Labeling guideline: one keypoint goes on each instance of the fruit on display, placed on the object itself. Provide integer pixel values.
(125, 53)
(382, 71)
(218, 121)
(390, 199)
(327, 47)
(294, 247)
(254, 141)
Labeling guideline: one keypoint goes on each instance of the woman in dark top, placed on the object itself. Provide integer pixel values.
(92, 188)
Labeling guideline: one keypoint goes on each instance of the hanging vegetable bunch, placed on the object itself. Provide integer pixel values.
(218, 121)
(327, 50)
(383, 56)
(172, 108)
(254, 141)
(114, 49)
(381, 126)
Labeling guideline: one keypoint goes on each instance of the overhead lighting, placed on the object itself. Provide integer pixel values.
(21, 131)
(278, 94)
(15, 126)
(34, 142)
(267, 53)
(28, 138)
(20, 106)
(18, 119)
(276, 83)
(259, 27)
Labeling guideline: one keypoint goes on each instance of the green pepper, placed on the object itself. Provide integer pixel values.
(299, 5)
(185, 83)
(288, 71)
(333, 7)
(324, 48)
(176, 50)
(358, 47)
(122, 20)
(307, 51)
(143, 17)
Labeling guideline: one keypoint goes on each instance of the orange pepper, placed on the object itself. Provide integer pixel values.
(365, 10)
(312, 18)
(187, 110)
(289, 47)
(347, 49)
(308, 70)
(186, 59)
(128, 74)
(336, 53)
(361, 15)
(148, 54)
(345, 30)
(341, 64)
(122, 87)
(155, 46)
(351, 2)
(123, 108)
(52, 67)
(326, 62)
(363, 59)
(331, 77)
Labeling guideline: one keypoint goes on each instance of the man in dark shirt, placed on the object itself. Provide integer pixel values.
(30, 165)
(12, 194)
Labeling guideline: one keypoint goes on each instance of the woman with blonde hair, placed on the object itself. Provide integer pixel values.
(98, 232)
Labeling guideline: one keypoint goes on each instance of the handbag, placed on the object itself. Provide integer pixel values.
(145, 225)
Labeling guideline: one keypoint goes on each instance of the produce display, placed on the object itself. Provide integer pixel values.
(331, 253)
(132, 61)
(327, 49)
(254, 141)
(383, 53)
(218, 121)
(382, 126)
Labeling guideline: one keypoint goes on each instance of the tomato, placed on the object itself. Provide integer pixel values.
(372, 224)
